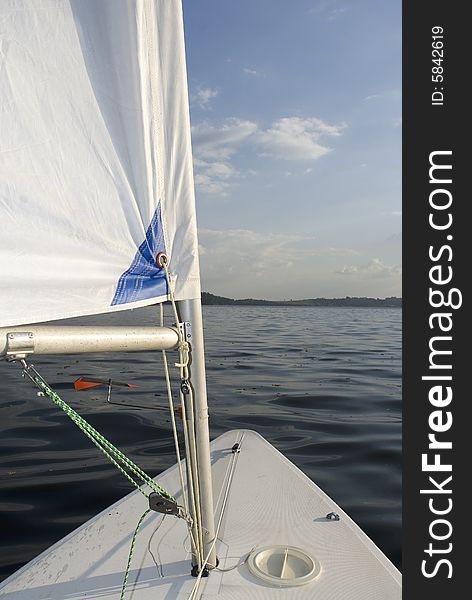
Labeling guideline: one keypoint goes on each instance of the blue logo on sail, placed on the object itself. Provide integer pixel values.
(143, 279)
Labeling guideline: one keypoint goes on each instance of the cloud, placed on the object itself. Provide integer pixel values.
(373, 97)
(289, 138)
(231, 249)
(213, 147)
(221, 142)
(375, 269)
(213, 177)
(295, 138)
(396, 213)
(252, 263)
(335, 13)
(327, 10)
(221, 170)
(262, 251)
(252, 72)
(209, 185)
(202, 96)
(382, 95)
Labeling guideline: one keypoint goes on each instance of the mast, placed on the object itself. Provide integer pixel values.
(191, 313)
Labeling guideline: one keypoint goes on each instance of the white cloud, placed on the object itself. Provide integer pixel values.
(290, 138)
(252, 72)
(230, 249)
(209, 185)
(375, 269)
(382, 95)
(295, 138)
(373, 97)
(221, 142)
(335, 13)
(396, 213)
(213, 147)
(213, 177)
(245, 262)
(262, 250)
(202, 96)
(327, 10)
(221, 170)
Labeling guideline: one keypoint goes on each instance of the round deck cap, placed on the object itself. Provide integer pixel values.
(284, 566)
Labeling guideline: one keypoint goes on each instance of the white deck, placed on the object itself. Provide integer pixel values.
(271, 502)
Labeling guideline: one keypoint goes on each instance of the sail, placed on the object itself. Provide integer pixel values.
(95, 158)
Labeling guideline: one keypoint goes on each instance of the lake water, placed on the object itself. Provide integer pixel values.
(321, 384)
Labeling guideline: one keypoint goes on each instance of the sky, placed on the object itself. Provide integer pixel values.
(296, 131)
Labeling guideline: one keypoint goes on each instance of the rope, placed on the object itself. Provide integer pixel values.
(108, 449)
(194, 466)
(239, 564)
(111, 452)
(131, 551)
(189, 432)
(176, 438)
(231, 470)
(197, 550)
(172, 417)
(129, 469)
(158, 563)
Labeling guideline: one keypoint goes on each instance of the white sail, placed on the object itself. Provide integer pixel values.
(95, 157)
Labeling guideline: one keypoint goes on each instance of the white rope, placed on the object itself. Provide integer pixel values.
(194, 466)
(184, 350)
(193, 594)
(198, 550)
(190, 439)
(172, 418)
(189, 432)
(239, 564)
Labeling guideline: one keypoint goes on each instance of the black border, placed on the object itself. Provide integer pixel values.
(428, 128)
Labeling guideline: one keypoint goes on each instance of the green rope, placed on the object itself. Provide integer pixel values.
(110, 451)
(126, 467)
(130, 555)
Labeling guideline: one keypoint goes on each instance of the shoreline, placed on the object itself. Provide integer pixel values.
(347, 302)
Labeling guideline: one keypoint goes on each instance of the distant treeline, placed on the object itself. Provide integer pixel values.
(393, 302)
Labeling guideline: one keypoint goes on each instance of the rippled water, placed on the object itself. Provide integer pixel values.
(321, 384)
